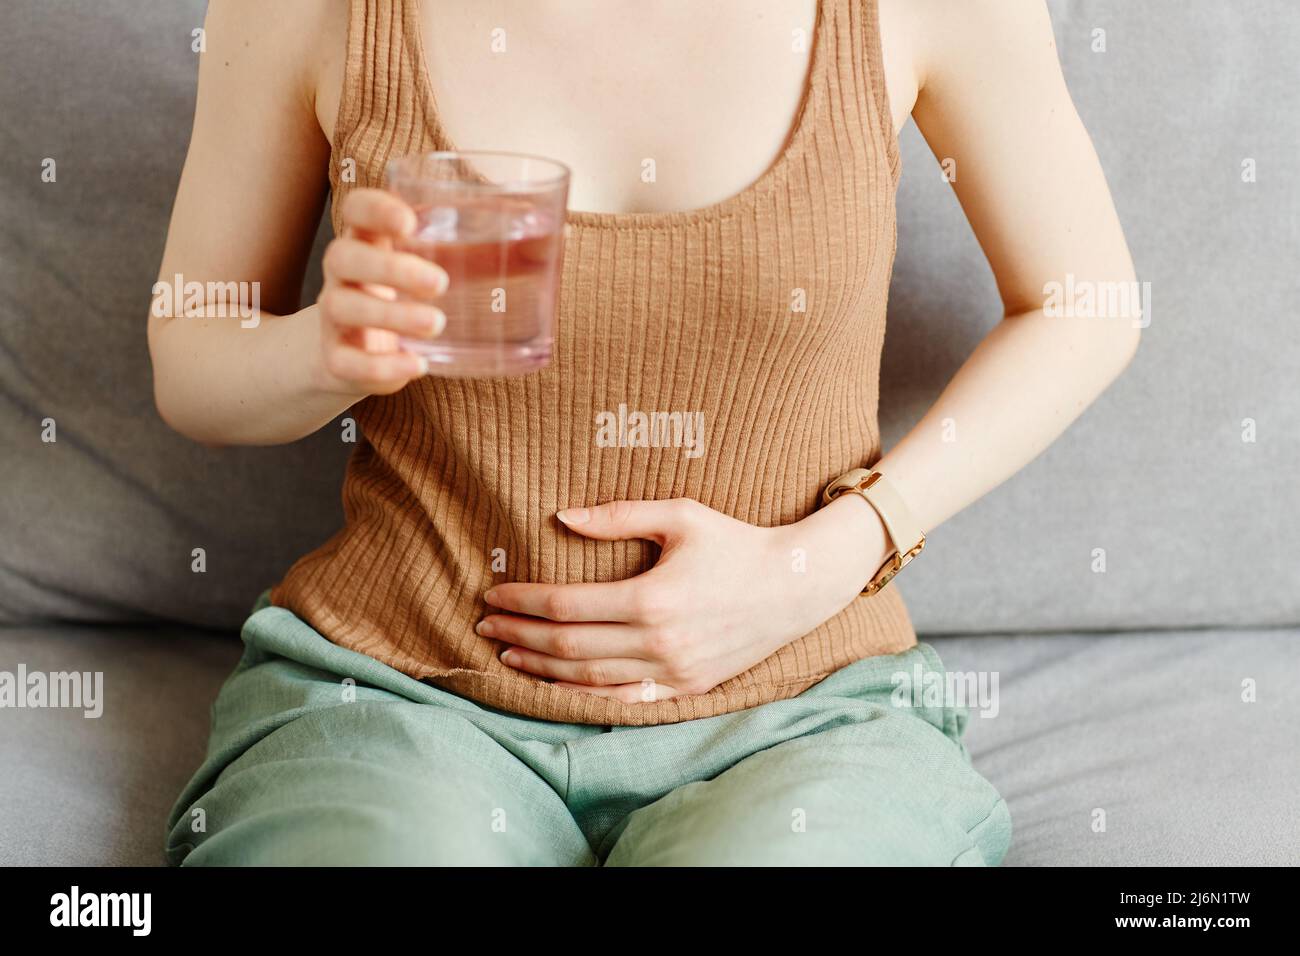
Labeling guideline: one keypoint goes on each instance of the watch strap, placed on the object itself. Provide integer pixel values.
(905, 534)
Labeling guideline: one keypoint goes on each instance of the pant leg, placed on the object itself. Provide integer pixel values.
(858, 780)
(319, 756)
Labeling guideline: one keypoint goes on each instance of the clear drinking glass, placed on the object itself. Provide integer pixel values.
(495, 222)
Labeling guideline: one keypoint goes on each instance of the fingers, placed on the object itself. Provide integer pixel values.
(620, 520)
(376, 212)
(374, 296)
(619, 601)
(600, 672)
(357, 262)
(363, 255)
(374, 373)
(568, 641)
(349, 306)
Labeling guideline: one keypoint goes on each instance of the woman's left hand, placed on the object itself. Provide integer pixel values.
(723, 596)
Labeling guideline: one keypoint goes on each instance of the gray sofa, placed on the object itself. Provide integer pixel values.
(1146, 712)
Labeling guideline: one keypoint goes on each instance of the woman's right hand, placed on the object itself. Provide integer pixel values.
(362, 315)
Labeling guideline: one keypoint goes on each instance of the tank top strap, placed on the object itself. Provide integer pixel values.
(857, 73)
(381, 110)
(871, 51)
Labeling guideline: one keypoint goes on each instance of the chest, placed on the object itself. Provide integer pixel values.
(656, 107)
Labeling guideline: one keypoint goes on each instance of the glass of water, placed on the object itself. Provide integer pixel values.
(495, 222)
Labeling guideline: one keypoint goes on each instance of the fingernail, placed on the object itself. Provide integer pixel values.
(490, 596)
(484, 628)
(574, 515)
(509, 657)
(435, 281)
(424, 365)
(437, 322)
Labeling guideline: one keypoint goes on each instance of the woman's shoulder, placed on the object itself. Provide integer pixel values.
(329, 59)
(292, 48)
(941, 44)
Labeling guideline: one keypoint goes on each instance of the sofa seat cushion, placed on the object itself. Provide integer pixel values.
(96, 791)
(1149, 727)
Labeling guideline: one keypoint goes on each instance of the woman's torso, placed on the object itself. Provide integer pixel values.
(719, 116)
(744, 284)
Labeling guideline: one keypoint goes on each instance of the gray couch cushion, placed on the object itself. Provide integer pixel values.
(1199, 527)
(101, 524)
(96, 791)
(1150, 728)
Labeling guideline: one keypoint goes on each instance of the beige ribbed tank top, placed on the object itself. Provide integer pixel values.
(691, 311)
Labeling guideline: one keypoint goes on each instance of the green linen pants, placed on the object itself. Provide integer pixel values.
(322, 756)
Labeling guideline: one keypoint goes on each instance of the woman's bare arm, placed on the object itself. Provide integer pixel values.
(247, 209)
(992, 98)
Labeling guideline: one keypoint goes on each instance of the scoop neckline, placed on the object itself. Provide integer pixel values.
(724, 208)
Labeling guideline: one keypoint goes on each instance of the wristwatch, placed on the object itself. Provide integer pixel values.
(894, 514)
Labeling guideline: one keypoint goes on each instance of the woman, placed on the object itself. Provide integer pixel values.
(524, 647)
